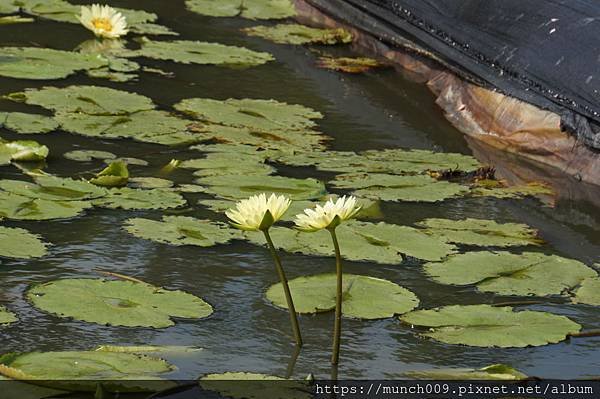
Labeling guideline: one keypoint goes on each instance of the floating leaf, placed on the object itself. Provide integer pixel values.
(80, 370)
(251, 9)
(489, 326)
(194, 52)
(499, 191)
(53, 188)
(223, 163)
(481, 232)
(588, 292)
(117, 303)
(529, 273)
(14, 19)
(239, 186)
(22, 150)
(499, 372)
(6, 317)
(300, 34)
(128, 161)
(130, 198)
(182, 230)
(364, 297)
(348, 64)
(44, 63)
(254, 386)
(419, 188)
(149, 182)
(115, 174)
(88, 155)
(21, 244)
(27, 123)
(113, 76)
(148, 349)
(13, 206)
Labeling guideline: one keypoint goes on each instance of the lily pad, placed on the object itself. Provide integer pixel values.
(117, 303)
(6, 317)
(520, 191)
(481, 232)
(53, 188)
(13, 206)
(168, 349)
(44, 63)
(182, 230)
(489, 326)
(22, 151)
(529, 273)
(353, 65)
(364, 297)
(195, 52)
(20, 122)
(254, 386)
(128, 161)
(300, 34)
(251, 9)
(21, 244)
(223, 163)
(88, 155)
(81, 369)
(130, 198)
(149, 182)
(419, 188)
(115, 174)
(239, 186)
(263, 115)
(500, 372)
(588, 292)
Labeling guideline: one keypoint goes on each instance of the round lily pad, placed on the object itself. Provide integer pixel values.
(53, 188)
(6, 317)
(27, 123)
(149, 182)
(481, 232)
(500, 372)
(13, 206)
(300, 34)
(131, 198)
(529, 273)
(364, 297)
(254, 386)
(489, 326)
(251, 9)
(117, 303)
(21, 244)
(182, 230)
(88, 155)
(588, 292)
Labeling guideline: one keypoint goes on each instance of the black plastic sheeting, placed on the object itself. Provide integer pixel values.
(545, 52)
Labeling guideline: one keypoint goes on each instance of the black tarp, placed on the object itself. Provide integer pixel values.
(545, 52)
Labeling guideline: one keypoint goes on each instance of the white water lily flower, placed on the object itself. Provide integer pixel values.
(258, 212)
(104, 21)
(321, 217)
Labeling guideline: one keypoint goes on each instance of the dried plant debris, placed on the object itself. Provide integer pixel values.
(354, 65)
(300, 34)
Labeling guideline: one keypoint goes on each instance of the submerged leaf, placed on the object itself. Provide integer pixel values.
(489, 326)
(130, 198)
(21, 244)
(499, 372)
(88, 155)
(182, 230)
(115, 174)
(364, 297)
(251, 9)
(6, 317)
(481, 232)
(529, 273)
(27, 123)
(300, 34)
(117, 303)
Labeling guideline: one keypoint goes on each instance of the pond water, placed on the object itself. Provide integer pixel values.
(380, 109)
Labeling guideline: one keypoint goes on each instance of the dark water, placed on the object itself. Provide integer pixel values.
(376, 110)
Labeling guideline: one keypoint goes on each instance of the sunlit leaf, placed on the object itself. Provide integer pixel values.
(21, 244)
(27, 123)
(53, 188)
(149, 182)
(13, 206)
(300, 34)
(130, 198)
(6, 317)
(252, 9)
(22, 150)
(115, 174)
(588, 292)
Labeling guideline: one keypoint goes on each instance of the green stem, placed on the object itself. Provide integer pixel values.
(337, 329)
(286, 289)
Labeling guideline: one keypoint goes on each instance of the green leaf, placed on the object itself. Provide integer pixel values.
(364, 297)
(117, 303)
(349, 64)
(254, 386)
(88, 155)
(251, 9)
(239, 186)
(504, 273)
(224, 163)
(13, 206)
(130, 198)
(150, 182)
(588, 292)
(300, 34)
(489, 326)
(500, 372)
(53, 188)
(521, 191)
(194, 52)
(27, 123)
(21, 244)
(44, 63)
(6, 317)
(481, 232)
(22, 150)
(182, 230)
(115, 174)
(167, 350)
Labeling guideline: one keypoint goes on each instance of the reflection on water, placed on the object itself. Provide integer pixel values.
(377, 110)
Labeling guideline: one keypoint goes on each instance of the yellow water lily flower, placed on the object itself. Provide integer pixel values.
(104, 21)
(323, 217)
(258, 212)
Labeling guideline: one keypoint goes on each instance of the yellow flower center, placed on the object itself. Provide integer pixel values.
(102, 24)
